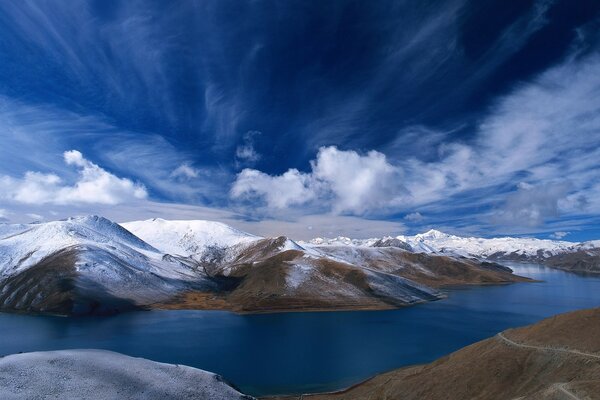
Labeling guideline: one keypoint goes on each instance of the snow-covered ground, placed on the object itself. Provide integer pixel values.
(104, 375)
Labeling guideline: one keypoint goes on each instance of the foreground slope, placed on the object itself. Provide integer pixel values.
(99, 374)
(557, 358)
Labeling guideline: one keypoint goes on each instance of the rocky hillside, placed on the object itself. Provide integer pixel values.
(104, 375)
(557, 358)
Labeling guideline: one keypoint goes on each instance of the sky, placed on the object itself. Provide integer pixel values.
(305, 118)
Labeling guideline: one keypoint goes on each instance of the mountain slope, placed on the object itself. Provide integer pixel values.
(83, 265)
(278, 274)
(557, 358)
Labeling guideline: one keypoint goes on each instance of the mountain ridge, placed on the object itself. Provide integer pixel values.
(572, 256)
(92, 265)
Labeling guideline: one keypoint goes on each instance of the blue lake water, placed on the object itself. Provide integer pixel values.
(308, 352)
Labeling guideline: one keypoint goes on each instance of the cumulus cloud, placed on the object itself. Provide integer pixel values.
(291, 188)
(94, 185)
(348, 181)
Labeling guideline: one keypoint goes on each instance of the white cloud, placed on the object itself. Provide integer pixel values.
(559, 235)
(358, 183)
(414, 217)
(348, 181)
(245, 153)
(93, 186)
(531, 205)
(185, 171)
(291, 188)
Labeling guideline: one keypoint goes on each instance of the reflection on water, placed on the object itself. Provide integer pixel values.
(302, 352)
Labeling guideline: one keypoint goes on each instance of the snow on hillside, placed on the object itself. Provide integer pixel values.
(187, 238)
(27, 244)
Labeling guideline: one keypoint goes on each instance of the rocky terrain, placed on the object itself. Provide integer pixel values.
(571, 256)
(90, 265)
(100, 375)
(557, 358)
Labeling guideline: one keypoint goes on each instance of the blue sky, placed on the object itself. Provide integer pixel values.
(305, 117)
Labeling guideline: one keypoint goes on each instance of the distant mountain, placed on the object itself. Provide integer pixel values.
(580, 257)
(92, 265)
(557, 358)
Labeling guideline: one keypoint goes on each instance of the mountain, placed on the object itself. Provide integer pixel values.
(85, 265)
(557, 358)
(100, 374)
(187, 238)
(92, 265)
(279, 274)
(577, 257)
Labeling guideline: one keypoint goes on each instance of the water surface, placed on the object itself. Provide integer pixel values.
(307, 352)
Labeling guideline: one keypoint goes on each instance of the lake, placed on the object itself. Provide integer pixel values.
(316, 351)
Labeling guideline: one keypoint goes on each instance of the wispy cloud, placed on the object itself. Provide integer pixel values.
(185, 171)
(245, 153)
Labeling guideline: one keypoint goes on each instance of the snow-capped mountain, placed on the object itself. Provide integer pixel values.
(85, 263)
(187, 238)
(551, 252)
(90, 264)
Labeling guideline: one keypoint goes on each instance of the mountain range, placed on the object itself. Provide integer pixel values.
(572, 256)
(91, 265)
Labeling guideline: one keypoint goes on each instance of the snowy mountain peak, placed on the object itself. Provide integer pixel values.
(433, 234)
(434, 241)
(187, 237)
(27, 244)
